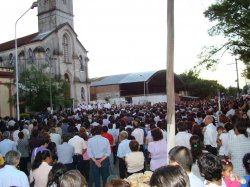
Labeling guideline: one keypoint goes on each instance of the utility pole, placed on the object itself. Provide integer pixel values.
(238, 87)
(170, 76)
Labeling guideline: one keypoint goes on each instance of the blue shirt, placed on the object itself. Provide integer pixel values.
(65, 153)
(98, 147)
(123, 148)
(247, 178)
(10, 176)
(7, 145)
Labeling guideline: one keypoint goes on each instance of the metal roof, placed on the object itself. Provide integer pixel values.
(122, 78)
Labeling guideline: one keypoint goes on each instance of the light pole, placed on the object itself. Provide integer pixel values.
(144, 86)
(34, 4)
(48, 60)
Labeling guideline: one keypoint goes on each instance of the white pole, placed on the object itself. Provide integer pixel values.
(170, 76)
(34, 4)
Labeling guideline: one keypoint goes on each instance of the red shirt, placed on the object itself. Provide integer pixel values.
(110, 139)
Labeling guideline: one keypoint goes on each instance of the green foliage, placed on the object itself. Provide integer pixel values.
(232, 18)
(232, 91)
(24, 115)
(35, 90)
(199, 87)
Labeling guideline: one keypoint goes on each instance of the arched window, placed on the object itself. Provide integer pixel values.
(66, 77)
(82, 93)
(31, 56)
(11, 59)
(48, 56)
(81, 63)
(66, 48)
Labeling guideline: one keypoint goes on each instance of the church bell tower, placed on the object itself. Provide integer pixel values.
(52, 13)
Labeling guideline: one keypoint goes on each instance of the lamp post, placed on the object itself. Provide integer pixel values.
(34, 4)
(144, 86)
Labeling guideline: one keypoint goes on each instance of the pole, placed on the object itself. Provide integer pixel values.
(170, 76)
(50, 91)
(238, 87)
(35, 4)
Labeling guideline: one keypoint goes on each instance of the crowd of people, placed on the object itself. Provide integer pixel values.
(82, 147)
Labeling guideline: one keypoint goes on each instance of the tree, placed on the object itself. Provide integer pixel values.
(232, 19)
(199, 87)
(35, 90)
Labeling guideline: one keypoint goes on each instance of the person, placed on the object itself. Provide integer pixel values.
(9, 174)
(123, 150)
(246, 163)
(239, 146)
(182, 137)
(229, 179)
(182, 156)
(73, 178)
(55, 173)
(135, 159)
(138, 133)
(211, 168)
(80, 148)
(23, 148)
(210, 135)
(99, 151)
(157, 149)
(169, 176)
(105, 134)
(6, 144)
(65, 153)
(44, 146)
(117, 183)
(54, 136)
(40, 169)
(196, 151)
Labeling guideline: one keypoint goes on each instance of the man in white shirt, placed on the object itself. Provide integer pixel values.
(182, 137)
(80, 148)
(180, 155)
(138, 133)
(210, 135)
(6, 144)
(123, 149)
(9, 174)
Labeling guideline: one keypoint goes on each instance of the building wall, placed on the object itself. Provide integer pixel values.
(6, 89)
(102, 92)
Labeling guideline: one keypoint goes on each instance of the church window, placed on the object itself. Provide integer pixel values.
(81, 63)
(66, 48)
(11, 59)
(47, 56)
(31, 56)
(82, 93)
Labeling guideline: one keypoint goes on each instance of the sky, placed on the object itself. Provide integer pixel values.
(126, 36)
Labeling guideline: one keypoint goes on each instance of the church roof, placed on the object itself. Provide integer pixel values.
(33, 38)
(20, 41)
(122, 78)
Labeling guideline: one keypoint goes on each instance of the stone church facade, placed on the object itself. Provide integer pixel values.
(55, 45)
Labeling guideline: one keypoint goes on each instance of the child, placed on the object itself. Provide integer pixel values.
(246, 163)
(228, 177)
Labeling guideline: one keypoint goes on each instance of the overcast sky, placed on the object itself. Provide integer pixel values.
(124, 36)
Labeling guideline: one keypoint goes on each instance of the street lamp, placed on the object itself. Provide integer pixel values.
(34, 4)
(144, 86)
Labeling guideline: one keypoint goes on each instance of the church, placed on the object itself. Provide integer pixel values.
(56, 45)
